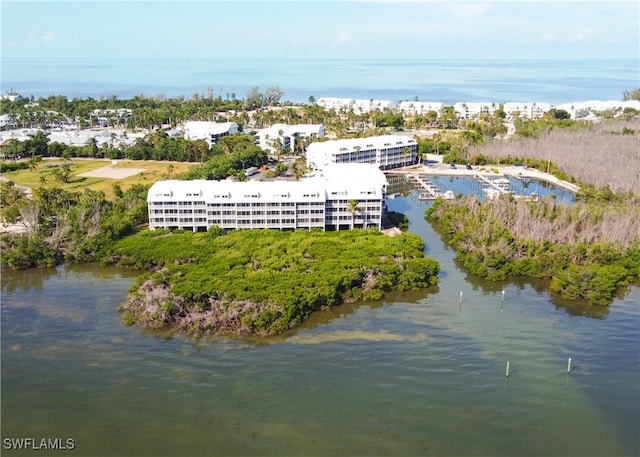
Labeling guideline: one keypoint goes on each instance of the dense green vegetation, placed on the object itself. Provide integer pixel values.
(230, 157)
(587, 250)
(156, 145)
(262, 281)
(61, 225)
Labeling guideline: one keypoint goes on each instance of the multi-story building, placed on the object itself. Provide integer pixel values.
(336, 104)
(211, 132)
(420, 108)
(367, 106)
(338, 198)
(533, 110)
(592, 108)
(359, 106)
(471, 110)
(387, 151)
(284, 136)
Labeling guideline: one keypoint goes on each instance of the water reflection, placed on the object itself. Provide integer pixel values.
(12, 280)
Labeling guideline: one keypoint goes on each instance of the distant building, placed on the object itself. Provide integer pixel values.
(284, 136)
(18, 134)
(12, 97)
(336, 104)
(106, 117)
(321, 201)
(7, 122)
(211, 132)
(592, 108)
(471, 110)
(385, 152)
(77, 137)
(420, 108)
(532, 110)
(357, 106)
(367, 106)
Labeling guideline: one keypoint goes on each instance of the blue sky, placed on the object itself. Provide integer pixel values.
(322, 29)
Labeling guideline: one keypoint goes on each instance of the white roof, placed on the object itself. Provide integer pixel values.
(79, 137)
(525, 105)
(353, 178)
(235, 191)
(600, 105)
(206, 127)
(306, 129)
(408, 104)
(347, 180)
(372, 142)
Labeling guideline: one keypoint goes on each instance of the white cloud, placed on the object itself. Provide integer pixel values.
(343, 37)
(583, 36)
(48, 38)
(34, 38)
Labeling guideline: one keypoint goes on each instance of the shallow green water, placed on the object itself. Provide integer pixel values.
(417, 373)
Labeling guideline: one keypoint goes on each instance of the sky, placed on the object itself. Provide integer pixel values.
(322, 29)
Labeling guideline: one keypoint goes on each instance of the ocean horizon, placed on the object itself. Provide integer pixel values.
(446, 81)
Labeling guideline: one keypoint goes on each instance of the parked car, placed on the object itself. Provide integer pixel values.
(469, 167)
(453, 165)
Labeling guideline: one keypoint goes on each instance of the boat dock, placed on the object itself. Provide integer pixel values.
(428, 190)
(493, 187)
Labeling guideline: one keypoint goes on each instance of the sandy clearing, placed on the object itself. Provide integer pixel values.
(112, 172)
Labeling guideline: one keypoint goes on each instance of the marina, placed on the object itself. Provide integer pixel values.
(437, 181)
(428, 190)
(494, 187)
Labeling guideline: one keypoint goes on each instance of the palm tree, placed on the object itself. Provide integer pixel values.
(406, 152)
(353, 209)
(356, 152)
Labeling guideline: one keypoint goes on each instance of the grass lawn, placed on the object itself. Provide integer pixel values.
(154, 171)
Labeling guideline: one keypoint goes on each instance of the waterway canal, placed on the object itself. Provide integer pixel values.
(418, 373)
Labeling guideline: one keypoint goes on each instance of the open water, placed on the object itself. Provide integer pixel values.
(446, 81)
(418, 373)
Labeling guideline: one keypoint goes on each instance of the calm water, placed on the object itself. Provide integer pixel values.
(447, 81)
(416, 374)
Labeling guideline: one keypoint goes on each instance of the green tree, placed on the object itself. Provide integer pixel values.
(62, 173)
(449, 118)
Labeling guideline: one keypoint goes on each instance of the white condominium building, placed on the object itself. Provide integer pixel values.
(387, 151)
(323, 201)
(209, 131)
(284, 136)
(533, 110)
(420, 108)
(470, 110)
(367, 106)
(336, 104)
(359, 106)
(591, 108)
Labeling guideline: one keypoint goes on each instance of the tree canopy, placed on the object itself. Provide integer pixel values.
(262, 281)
